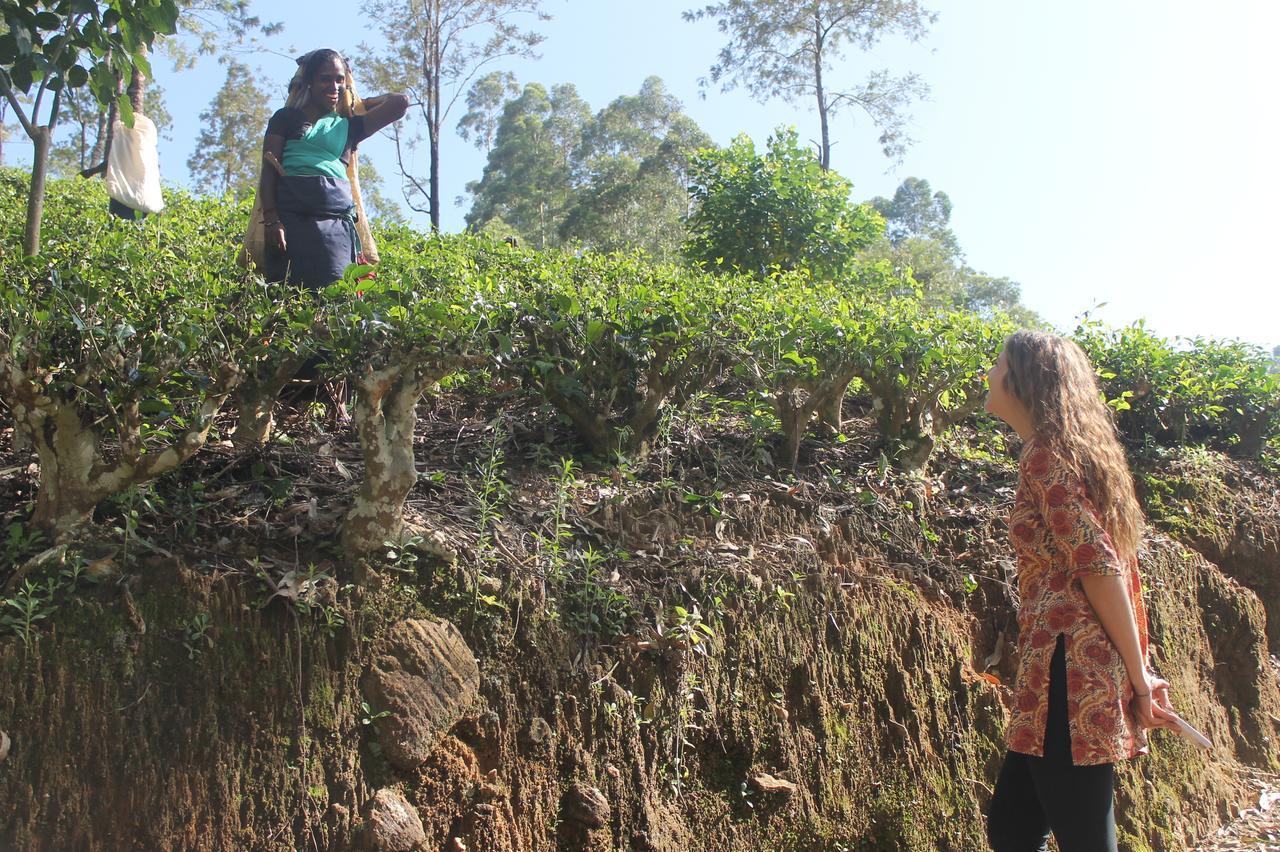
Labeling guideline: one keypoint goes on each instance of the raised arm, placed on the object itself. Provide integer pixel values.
(382, 110)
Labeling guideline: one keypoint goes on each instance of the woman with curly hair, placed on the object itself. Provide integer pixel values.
(1084, 695)
(307, 190)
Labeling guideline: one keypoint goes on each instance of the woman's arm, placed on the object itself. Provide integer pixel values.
(1110, 601)
(382, 110)
(272, 149)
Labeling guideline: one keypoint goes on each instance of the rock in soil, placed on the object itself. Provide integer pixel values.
(585, 805)
(391, 823)
(425, 676)
(766, 783)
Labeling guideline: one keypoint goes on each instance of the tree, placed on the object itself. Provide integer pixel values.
(226, 154)
(919, 240)
(778, 211)
(631, 175)
(56, 46)
(527, 184)
(434, 49)
(916, 211)
(613, 181)
(789, 49)
(484, 107)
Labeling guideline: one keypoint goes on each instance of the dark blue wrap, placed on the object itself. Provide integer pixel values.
(319, 230)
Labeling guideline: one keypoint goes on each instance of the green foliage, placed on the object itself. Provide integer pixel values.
(557, 175)
(1193, 391)
(779, 211)
(612, 339)
(76, 43)
(808, 341)
(114, 360)
(919, 243)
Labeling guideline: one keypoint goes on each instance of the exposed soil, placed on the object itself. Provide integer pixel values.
(846, 692)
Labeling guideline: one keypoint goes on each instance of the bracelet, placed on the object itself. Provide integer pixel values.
(1142, 695)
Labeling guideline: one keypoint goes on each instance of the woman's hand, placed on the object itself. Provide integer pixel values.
(1153, 709)
(275, 235)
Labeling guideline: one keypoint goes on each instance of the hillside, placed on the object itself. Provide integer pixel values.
(585, 629)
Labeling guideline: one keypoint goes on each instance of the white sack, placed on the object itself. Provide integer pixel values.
(133, 166)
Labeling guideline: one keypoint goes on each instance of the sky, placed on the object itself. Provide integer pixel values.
(1112, 157)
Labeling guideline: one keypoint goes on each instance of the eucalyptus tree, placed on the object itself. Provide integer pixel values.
(226, 158)
(54, 46)
(615, 180)
(790, 49)
(527, 183)
(632, 173)
(434, 50)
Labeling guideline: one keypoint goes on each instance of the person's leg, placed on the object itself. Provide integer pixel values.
(1079, 803)
(1015, 821)
(1076, 800)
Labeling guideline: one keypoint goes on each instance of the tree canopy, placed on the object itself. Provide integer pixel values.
(789, 49)
(777, 211)
(615, 180)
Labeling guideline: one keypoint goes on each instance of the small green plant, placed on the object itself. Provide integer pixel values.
(488, 492)
(197, 636)
(368, 715)
(31, 604)
(590, 603)
(20, 542)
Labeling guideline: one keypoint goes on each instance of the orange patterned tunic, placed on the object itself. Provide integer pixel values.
(1057, 536)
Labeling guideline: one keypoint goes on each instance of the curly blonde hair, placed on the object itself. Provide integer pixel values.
(1053, 378)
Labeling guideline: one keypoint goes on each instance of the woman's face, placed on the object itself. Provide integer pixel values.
(327, 84)
(1000, 401)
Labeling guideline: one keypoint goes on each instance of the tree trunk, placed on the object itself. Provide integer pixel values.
(824, 155)
(592, 427)
(67, 450)
(385, 416)
(99, 152)
(830, 407)
(256, 401)
(137, 90)
(794, 416)
(43, 137)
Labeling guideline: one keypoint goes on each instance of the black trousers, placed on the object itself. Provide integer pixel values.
(1038, 795)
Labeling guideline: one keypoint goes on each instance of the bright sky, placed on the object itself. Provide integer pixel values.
(1098, 151)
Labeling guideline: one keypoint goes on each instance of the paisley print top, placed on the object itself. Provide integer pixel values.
(1057, 537)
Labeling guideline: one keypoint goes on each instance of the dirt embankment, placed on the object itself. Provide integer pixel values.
(808, 666)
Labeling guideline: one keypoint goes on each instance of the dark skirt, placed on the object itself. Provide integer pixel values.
(318, 215)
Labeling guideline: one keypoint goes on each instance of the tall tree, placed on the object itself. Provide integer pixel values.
(527, 185)
(917, 211)
(53, 46)
(631, 175)
(755, 213)
(433, 50)
(616, 180)
(789, 49)
(484, 107)
(226, 155)
(918, 238)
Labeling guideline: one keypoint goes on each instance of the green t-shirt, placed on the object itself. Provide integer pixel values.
(321, 148)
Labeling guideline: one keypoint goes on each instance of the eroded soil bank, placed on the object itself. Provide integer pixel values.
(812, 665)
